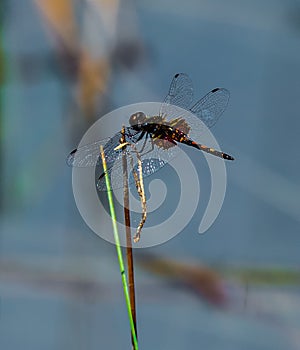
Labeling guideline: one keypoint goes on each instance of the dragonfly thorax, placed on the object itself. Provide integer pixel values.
(137, 119)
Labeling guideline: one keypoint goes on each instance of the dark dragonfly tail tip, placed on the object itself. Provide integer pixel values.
(227, 156)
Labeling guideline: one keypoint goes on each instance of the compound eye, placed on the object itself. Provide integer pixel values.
(137, 118)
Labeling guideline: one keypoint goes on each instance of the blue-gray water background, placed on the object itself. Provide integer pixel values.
(251, 48)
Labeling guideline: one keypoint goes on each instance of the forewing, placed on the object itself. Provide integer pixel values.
(211, 106)
(153, 158)
(180, 94)
(89, 155)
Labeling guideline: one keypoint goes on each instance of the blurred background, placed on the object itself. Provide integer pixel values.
(63, 65)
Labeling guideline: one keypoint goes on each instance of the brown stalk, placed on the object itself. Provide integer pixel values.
(130, 265)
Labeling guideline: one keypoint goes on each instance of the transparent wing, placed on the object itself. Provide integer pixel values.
(206, 111)
(89, 155)
(153, 158)
(154, 155)
(210, 107)
(180, 94)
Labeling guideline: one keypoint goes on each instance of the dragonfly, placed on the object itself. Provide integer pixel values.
(150, 141)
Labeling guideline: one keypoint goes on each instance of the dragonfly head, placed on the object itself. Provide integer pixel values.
(137, 118)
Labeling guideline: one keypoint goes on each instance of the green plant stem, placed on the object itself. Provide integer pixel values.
(118, 248)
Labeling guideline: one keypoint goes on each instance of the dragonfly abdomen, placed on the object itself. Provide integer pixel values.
(208, 149)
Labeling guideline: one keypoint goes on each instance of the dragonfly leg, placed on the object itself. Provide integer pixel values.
(152, 144)
(141, 136)
(144, 144)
